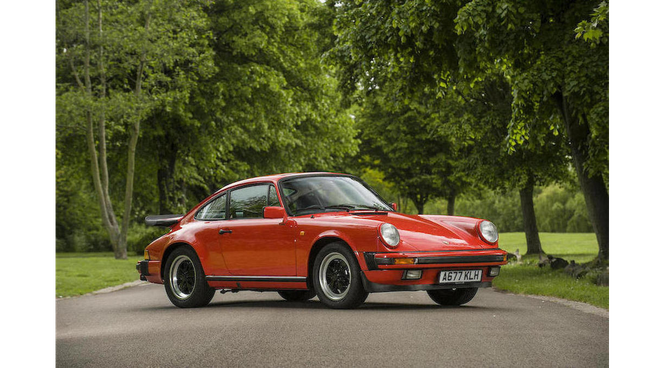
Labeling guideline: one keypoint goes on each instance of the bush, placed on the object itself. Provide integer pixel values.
(140, 236)
(558, 209)
(503, 209)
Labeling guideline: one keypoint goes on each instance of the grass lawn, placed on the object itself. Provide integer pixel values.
(81, 273)
(528, 278)
(581, 247)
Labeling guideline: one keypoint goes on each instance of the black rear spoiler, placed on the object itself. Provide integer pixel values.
(162, 220)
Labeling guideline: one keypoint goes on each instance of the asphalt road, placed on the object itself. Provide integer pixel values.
(138, 326)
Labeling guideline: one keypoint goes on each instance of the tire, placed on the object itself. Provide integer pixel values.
(453, 297)
(337, 277)
(297, 295)
(184, 280)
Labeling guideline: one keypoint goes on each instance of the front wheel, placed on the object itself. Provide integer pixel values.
(336, 278)
(184, 280)
(453, 297)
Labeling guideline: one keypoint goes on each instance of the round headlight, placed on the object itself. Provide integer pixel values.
(489, 231)
(390, 235)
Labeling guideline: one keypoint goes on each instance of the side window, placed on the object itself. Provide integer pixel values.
(272, 199)
(215, 210)
(248, 202)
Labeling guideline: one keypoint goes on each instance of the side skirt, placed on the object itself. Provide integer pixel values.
(257, 278)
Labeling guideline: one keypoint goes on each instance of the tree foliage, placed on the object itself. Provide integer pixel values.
(179, 98)
(559, 82)
(402, 142)
(524, 81)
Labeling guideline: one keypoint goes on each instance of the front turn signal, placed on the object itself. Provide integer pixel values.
(405, 261)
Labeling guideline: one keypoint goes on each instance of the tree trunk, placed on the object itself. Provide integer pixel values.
(101, 186)
(420, 208)
(419, 202)
(98, 162)
(529, 220)
(450, 204)
(593, 187)
(131, 148)
(165, 181)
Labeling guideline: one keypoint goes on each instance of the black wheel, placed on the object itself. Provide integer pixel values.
(184, 280)
(452, 296)
(336, 277)
(297, 295)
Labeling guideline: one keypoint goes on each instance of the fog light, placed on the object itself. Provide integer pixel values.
(412, 275)
(494, 271)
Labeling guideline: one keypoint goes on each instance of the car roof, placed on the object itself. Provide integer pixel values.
(275, 178)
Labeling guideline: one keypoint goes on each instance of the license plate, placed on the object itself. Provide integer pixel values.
(460, 277)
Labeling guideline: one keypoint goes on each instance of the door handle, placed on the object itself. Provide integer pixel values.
(222, 231)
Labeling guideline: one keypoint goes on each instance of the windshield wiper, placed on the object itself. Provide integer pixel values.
(349, 207)
(346, 207)
(370, 208)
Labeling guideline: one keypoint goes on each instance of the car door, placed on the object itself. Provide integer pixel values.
(209, 220)
(253, 245)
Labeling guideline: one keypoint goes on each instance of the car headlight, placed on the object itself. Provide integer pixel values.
(390, 235)
(489, 231)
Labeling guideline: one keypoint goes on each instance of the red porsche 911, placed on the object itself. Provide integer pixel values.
(317, 234)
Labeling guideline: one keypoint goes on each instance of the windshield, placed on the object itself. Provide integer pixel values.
(315, 194)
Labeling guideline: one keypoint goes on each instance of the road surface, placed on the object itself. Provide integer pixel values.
(138, 326)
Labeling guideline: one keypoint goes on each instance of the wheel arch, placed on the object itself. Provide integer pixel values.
(317, 247)
(169, 250)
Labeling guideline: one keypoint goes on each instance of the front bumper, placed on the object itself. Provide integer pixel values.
(440, 259)
(385, 271)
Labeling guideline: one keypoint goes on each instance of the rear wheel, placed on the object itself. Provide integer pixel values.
(452, 296)
(184, 280)
(336, 278)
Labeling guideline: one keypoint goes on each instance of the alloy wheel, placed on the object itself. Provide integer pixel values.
(334, 276)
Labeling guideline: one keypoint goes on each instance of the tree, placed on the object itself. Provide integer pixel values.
(276, 100)
(372, 52)
(228, 90)
(416, 46)
(122, 58)
(535, 162)
(400, 141)
(559, 82)
(270, 106)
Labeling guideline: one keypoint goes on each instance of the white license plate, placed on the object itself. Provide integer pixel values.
(460, 277)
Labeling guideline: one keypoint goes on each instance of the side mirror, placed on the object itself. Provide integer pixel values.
(394, 206)
(274, 212)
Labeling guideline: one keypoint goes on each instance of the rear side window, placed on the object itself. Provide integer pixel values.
(248, 202)
(215, 210)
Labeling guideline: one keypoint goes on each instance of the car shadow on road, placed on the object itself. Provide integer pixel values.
(314, 304)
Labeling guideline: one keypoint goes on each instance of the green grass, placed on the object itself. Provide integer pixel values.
(570, 246)
(528, 278)
(82, 273)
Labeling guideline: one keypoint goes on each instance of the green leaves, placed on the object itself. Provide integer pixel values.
(596, 30)
(278, 105)
(229, 89)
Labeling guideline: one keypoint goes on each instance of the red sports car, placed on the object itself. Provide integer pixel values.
(317, 234)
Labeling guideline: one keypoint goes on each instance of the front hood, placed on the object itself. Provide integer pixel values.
(431, 233)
